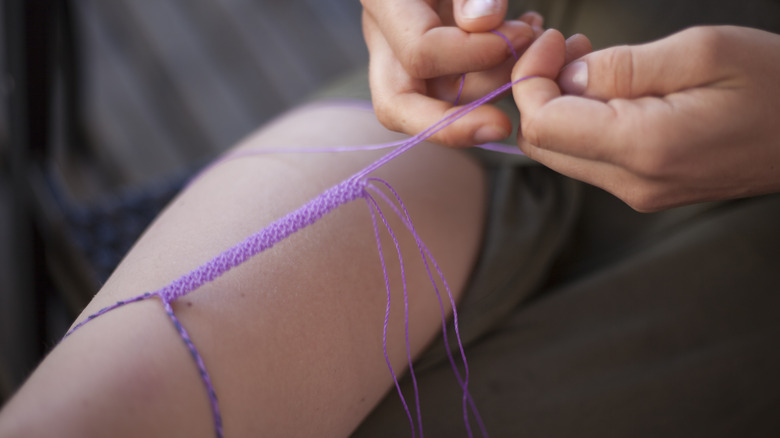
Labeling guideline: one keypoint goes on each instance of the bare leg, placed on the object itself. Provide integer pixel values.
(292, 338)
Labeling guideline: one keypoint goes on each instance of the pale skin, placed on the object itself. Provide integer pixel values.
(292, 339)
(685, 119)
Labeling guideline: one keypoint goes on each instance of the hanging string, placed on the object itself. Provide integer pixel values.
(372, 209)
(378, 211)
(402, 212)
(198, 359)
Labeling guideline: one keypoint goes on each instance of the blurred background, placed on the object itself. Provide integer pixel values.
(108, 107)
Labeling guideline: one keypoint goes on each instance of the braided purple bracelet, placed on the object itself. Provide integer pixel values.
(358, 186)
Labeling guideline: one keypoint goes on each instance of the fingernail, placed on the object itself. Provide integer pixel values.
(480, 8)
(574, 78)
(487, 134)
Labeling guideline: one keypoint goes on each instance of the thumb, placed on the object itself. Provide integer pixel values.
(534, 74)
(655, 69)
(479, 15)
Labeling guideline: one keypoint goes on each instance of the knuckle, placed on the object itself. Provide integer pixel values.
(643, 153)
(650, 167)
(386, 116)
(620, 63)
(452, 136)
(416, 61)
(530, 132)
(644, 198)
(652, 162)
(702, 35)
(708, 43)
(447, 137)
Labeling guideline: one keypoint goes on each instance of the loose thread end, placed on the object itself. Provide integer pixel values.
(107, 309)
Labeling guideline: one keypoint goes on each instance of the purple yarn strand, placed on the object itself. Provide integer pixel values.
(460, 89)
(107, 309)
(198, 359)
(508, 43)
(436, 127)
(406, 309)
(502, 148)
(371, 206)
(403, 145)
(404, 215)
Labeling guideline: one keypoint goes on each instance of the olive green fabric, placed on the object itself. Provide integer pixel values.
(668, 327)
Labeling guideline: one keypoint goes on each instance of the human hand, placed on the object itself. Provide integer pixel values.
(419, 50)
(692, 117)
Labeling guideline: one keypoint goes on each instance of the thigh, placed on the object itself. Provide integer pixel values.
(293, 337)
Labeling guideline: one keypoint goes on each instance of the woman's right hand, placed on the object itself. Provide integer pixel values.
(419, 50)
(685, 119)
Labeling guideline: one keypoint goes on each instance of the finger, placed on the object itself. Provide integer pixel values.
(619, 131)
(484, 124)
(577, 46)
(478, 84)
(535, 20)
(427, 49)
(538, 68)
(479, 15)
(474, 85)
(571, 125)
(681, 61)
(448, 50)
(640, 193)
(469, 87)
(401, 103)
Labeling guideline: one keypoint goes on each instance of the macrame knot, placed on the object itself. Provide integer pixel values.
(340, 194)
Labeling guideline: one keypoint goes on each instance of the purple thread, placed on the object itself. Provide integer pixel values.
(198, 359)
(460, 89)
(303, 150)
(371, 206)
(436, 127)
(107, 309)
(185, 337)
(500, 147)
(404, 215)
(495, 147)
(463, 76)
(508, 43)
(406, 309)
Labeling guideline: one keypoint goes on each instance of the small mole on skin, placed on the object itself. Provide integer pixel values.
(189, 303)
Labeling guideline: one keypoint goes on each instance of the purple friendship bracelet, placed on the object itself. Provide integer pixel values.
(348, 190)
